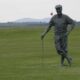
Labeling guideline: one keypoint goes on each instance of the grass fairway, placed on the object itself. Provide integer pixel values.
(21, 56)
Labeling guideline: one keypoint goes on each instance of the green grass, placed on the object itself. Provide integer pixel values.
(21, 56)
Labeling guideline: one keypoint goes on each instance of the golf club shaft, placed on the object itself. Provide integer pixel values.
(42, 52)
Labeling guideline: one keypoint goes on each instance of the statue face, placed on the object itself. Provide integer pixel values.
(59, 10)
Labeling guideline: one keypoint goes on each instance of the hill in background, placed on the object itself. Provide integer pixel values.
(44, 20)
(29, 22)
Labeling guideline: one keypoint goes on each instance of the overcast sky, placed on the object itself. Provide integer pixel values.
(10, 10)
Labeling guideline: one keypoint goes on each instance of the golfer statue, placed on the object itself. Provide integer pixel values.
(60, 22)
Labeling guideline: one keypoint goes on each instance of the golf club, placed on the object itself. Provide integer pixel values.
(42, 57)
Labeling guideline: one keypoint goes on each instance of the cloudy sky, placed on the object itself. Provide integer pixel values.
(10, 10)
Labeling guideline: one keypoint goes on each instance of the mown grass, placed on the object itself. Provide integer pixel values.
(21, 56)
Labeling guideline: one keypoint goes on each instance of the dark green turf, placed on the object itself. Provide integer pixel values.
(21, 56)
